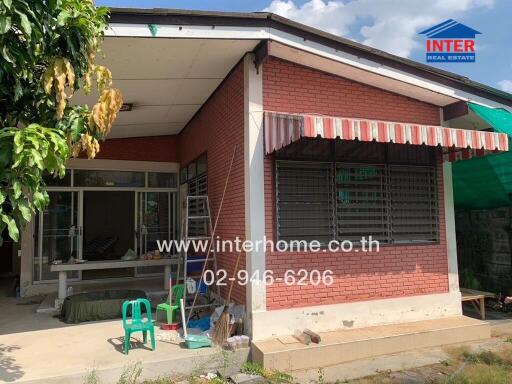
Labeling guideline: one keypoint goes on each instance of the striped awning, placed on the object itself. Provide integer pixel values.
(282, 129)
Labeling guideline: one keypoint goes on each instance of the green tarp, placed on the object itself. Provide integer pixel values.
(97, 305)
(485, 182)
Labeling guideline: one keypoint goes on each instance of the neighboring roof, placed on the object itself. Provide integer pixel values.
(450, 29)
(270, 20)
(499, 119)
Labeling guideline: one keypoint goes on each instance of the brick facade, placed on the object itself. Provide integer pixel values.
(395, 271)
(150, 148)
(216, 129)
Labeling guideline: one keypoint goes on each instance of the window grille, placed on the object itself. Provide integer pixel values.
(304, 201)
(361, 202)
(413, 196)
(344, 201)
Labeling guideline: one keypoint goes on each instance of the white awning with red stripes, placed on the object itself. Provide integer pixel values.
(282, 129)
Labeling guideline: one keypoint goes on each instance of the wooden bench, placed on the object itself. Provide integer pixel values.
(477, 298)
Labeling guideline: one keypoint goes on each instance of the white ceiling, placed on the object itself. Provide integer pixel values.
(167, 80)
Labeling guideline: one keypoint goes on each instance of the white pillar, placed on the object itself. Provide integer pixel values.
(63, 287)
(254, 184)
(449, 217)
(451, 240)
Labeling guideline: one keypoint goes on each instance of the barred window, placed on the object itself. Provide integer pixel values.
(345, 201)
(362, 203)
(304, 201)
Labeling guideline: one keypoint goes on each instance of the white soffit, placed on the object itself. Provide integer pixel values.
(369, 67)
(166, 79)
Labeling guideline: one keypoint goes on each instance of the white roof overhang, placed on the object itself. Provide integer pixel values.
(169, 72)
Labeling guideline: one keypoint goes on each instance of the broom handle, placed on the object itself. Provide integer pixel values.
(234, 274)
(213, 230)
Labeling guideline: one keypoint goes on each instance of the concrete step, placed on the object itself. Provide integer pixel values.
(287, 354)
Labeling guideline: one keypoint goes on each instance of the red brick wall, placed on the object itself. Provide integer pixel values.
(149, 148)
(395, 271)
(216, 129)
(289, 87)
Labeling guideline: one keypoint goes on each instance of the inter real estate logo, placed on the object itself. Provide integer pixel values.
(450, 42)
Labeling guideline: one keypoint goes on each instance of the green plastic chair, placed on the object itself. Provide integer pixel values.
(172, 310)
(137, 324)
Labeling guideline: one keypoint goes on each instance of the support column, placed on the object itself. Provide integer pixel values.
(449, 217)
(63, 289)
(254, 187)
(451, 241)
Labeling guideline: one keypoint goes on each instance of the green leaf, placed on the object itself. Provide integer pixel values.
(6, 55)
(18, 142)
(16, 187)
(63, 17)
(18, 91)
(5, 24)
(7, 3)
(25, 211)
(39, 200)
(12, 228)
(25, 24)
(2, 198)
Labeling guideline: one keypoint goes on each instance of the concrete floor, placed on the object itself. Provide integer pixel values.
(36, 348)
(39, 348)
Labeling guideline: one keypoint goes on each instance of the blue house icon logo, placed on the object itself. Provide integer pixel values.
(450, 42)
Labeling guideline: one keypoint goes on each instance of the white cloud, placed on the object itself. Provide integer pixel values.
(390, 25)
(506, 85)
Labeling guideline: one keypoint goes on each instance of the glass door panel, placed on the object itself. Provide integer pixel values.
(58, 234)
(156, 214)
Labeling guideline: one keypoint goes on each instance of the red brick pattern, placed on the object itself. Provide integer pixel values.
(288, 87)
(395, 271)
(216, 129)
(150, 148)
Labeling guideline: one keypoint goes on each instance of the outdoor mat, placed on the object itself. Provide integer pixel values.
(97, 305)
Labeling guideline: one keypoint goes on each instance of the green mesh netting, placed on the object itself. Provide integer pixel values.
(485, 182)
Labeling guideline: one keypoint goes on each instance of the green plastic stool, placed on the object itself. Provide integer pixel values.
(171, 310)
(137, 324)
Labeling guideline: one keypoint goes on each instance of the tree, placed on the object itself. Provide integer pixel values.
(47, 52)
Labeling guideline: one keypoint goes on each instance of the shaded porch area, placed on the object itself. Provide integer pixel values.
(39, 348)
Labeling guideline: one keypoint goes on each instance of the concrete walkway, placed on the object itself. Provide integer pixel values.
(38, 348)
(389, 363)
(402, 361)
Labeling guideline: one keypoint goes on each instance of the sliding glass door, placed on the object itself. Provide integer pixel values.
(98, 215)
(156, 221)
(58, 234)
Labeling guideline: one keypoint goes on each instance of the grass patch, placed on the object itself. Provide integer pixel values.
(159, 380)
(273, 376)
(482, 375)
(131, 374)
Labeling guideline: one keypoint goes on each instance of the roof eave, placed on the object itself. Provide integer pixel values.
(271, 20)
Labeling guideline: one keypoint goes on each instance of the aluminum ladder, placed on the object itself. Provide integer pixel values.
(197, 227)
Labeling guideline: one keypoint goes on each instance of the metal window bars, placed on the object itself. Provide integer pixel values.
(345, 201)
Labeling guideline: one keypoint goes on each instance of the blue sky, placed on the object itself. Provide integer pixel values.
(390, 25)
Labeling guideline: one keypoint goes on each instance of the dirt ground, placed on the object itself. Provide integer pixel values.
(464, 366)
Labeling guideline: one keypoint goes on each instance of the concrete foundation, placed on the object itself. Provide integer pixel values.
(287, 354)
